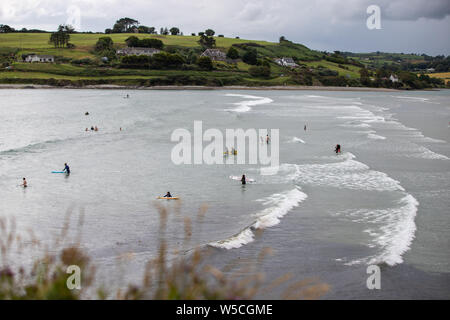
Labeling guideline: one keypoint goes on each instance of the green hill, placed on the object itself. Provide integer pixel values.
(81, 64)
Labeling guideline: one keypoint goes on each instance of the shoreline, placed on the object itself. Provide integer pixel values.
(119, 87)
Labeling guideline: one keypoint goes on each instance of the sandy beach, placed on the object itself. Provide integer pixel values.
(115, 87)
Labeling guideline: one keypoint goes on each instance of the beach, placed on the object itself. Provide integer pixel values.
(382, 201)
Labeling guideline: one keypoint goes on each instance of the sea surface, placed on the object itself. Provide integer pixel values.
(383, 201)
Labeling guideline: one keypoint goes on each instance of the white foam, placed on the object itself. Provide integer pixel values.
(280, 205)
(393, 232)
(425, 153)
(240, 177)
(346, 174)
(296, 139)
(374, 136)
(246, 105)
(237, 241)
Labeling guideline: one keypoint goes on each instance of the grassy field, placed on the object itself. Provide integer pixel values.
(84, 41)
(25, 43)
(441, 75)
(352, 71)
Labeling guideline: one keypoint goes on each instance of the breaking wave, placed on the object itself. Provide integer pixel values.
(246, 105)
(280, 204)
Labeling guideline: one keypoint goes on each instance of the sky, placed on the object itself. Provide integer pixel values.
(408, 26)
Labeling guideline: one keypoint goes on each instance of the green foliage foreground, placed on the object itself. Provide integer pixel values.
(185, 277)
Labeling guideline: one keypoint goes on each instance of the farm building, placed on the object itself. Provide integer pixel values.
(393, 78)
(39, 58)
(137, 51)
(214, 54)
(286, 62)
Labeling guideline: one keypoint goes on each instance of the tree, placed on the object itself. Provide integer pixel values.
(104, 43)
(145, 29)
(233, 53)
(259, 71)
(108, 31)
(124, 25)
(68, 28)
(207, 42)
(209, 32)
(205, 63)
(250, 56)
(174, 31)
(282, 38)
(132, 41)
(4, 28)
(60, 38)
(150, 43)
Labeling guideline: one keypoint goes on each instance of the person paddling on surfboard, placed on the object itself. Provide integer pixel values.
(168, 195)
(66, 168)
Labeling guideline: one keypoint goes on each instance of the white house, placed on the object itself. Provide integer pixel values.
(39, 58)
(214, 54)
(286, 62)
(137, 51)
(393, 78)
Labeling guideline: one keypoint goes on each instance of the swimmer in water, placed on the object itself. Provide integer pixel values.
(338, 149)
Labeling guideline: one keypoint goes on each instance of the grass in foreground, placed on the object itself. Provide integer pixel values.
(185, 277)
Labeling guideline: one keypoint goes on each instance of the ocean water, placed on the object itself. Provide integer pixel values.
(384, 200)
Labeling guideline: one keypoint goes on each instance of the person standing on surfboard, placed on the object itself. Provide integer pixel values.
(24, 183)
(243, 179)
(66, 168)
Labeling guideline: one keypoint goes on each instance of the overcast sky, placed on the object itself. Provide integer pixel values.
(418, 26)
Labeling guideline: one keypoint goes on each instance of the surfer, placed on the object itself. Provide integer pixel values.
(168, 195)
(304, 128)
(267, 139)
(24, 183)
(95, 129)
(87, 130)
(243, 180)
(86, 113)
(338, 149)
(92, 128)
(66, 168)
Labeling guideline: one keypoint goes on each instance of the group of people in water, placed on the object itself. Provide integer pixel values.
(66, 170)
(92, 128)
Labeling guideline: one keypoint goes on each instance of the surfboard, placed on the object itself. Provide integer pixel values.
(58, 172)
(169, 198)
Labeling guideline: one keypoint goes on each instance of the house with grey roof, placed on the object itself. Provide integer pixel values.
(39, 58)
(137, 51)
(214, 54)
(286, 62)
